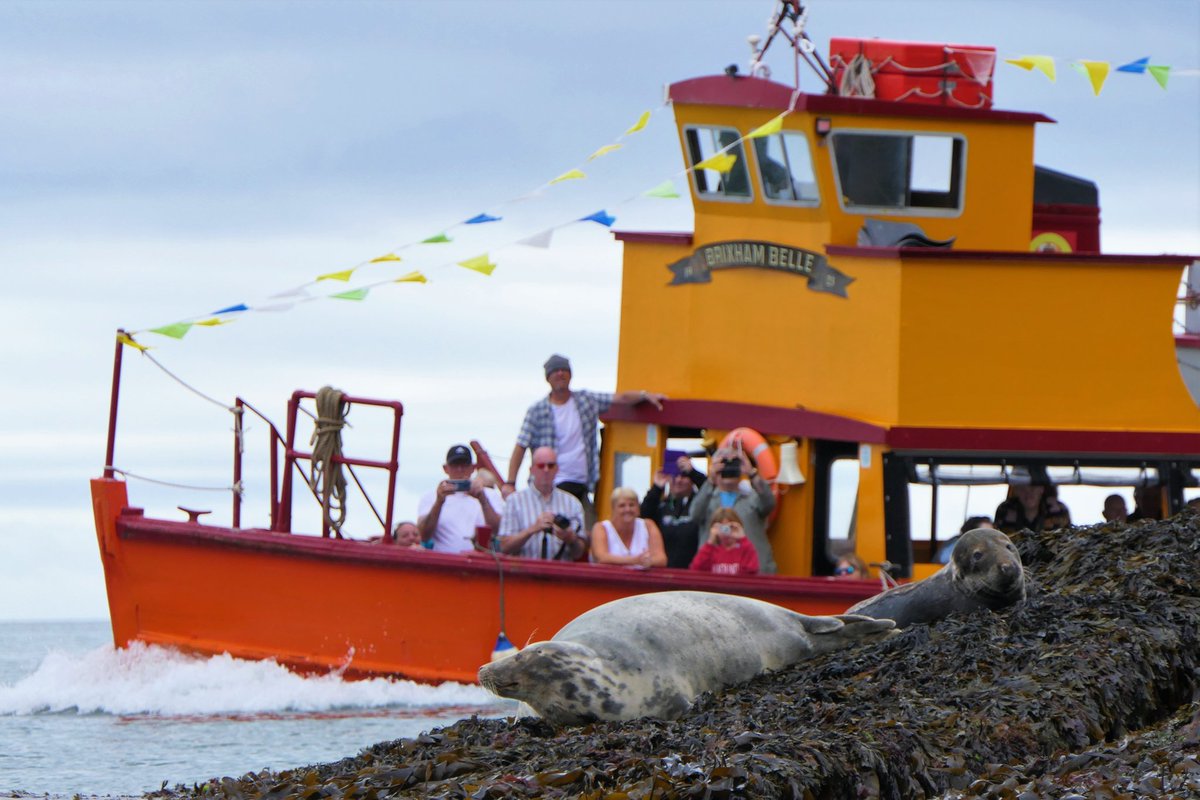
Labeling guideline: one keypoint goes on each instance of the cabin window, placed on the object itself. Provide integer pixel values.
(899, 171)
(843, 502)
(704, 143)
(631, 470)
(786, 169)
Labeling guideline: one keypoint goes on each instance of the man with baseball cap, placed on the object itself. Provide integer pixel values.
(568, 421)
(449, 514)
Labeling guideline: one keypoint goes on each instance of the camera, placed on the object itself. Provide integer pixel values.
(562, 521)
(462, 485)
(731, 468)
(725, 530)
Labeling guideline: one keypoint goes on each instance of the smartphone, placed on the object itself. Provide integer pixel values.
(461, 485)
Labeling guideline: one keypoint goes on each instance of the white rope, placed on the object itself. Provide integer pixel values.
(238, 487)
(188, 386)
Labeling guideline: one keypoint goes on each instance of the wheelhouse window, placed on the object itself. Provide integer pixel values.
(786, 170)
(704, 143)
(899, 171)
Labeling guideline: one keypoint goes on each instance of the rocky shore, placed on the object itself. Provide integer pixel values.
(1088, 689)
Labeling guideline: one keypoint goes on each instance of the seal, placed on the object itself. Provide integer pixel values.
(652, 655)
(984, 572)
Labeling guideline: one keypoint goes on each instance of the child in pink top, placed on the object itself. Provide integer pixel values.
(727, 551)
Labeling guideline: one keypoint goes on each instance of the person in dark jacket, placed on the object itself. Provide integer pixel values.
(668, 503)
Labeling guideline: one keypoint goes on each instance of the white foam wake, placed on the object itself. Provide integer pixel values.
(152, 680)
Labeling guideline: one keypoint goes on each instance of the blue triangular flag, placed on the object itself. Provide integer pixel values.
(481, 218)
(600, 216)
(232, 309)
(1138, 67)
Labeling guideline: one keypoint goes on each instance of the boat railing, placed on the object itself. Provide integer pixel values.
(281, 517)
(274, 440)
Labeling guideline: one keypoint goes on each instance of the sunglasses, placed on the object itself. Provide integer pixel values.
(551, 465)
(844, 571)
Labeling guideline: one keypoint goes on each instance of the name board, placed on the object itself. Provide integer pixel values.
(699, 266)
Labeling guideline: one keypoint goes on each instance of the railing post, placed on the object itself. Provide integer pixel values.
(237, 461)
(110, 453)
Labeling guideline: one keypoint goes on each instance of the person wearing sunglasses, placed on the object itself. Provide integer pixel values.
(851, 568)
(543, 521)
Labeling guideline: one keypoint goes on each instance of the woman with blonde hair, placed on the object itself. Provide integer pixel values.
(627, 539)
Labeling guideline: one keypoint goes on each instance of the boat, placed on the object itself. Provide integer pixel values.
(890, 238)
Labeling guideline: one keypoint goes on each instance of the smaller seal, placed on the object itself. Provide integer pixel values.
(652, 655)
(984, 572)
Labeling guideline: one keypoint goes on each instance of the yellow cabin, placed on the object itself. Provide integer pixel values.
(895, 287)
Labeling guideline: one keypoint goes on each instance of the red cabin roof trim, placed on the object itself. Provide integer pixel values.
(746, 92)
(764, 419)
(655, 237)
(1167, 443)
(950, 254)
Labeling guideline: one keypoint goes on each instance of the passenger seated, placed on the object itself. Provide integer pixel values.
(724, 490)
(543, 521)
(850, 567)
(408, 535)
(1115, 509)
(448, 515)
(1148, 503)
(727, 551)
(626, 538)
(1028, 506)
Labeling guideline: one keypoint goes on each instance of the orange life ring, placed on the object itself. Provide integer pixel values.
(753, 443)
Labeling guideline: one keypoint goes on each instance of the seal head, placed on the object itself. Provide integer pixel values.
(984, 572)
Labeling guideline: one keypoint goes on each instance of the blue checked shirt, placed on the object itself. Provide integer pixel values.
(523, 507)
(538, 428)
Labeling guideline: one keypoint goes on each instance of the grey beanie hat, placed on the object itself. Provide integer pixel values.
(556, 362)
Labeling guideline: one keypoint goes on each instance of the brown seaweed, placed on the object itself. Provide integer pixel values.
(1088, 689)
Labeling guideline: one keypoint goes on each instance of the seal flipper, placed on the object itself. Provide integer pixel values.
(857, 626)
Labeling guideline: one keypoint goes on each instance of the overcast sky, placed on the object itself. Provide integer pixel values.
(162, 160)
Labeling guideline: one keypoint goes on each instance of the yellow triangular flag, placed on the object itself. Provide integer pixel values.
(1044, 64)
(721, 162)
(128, 341)
(479, 264)
(641, 123)
(573, 174)
(1160, 74)
(388, 257)
(344, 275)
(212, 322)
(774, 126)
(603, 151)
(412, 277)
(1097, 73)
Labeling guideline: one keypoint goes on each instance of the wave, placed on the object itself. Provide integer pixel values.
(148, 680)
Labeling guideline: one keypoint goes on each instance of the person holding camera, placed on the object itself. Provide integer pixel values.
(626, 539)
(727, 551)
(542, 521)
(449, 514)
(668, 502)
(724, 490)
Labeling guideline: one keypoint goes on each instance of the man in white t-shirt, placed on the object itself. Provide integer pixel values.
(449, 514)
(568, 421)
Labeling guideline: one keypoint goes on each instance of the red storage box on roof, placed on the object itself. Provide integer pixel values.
(916, 72)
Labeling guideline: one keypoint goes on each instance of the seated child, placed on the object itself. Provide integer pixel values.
(727, 551)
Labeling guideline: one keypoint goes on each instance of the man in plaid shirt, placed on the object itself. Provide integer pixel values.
(569, 421)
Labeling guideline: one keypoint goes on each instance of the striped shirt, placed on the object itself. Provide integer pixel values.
(537, 430)
(523, 508)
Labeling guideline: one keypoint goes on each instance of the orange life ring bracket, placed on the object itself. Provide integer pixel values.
(752, 443)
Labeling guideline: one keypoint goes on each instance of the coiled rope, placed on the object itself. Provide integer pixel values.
(327, 479)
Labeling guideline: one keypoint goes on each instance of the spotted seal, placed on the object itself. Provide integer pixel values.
(651, 655)
(984, 572)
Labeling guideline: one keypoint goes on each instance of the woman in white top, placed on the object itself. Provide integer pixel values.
(626, 539)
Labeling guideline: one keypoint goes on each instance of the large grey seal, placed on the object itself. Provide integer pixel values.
(651, 655)
(984, 572)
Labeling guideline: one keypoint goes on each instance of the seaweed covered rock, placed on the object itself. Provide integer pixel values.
(1036, 701)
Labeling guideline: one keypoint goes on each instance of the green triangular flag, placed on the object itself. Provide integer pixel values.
(353, 294)
(665, 189)
(1160, 74)
(176, 331)
(441, 238)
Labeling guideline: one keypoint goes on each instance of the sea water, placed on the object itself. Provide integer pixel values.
(78, 716)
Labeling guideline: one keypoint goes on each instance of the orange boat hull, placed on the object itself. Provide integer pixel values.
(366, 609)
